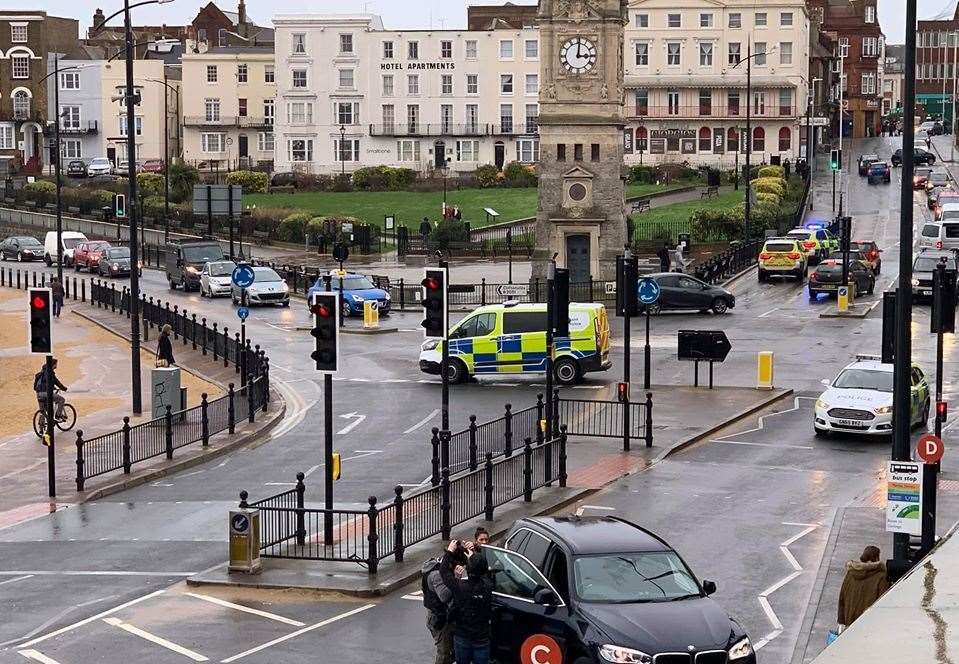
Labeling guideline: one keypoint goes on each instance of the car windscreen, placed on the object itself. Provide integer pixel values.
(952, 230)
(864, 379)
(780, 246)
(221, 269)
(925, 264)
(203, 253)
(118, 253)
(72, 242)
(353, 283)
(265, 274)
(651, 576)
(29, 242)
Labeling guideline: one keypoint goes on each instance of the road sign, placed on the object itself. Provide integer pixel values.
(904, 497)
(243, 276)
(648, 290)
(215, 199)
(930, 448)
(389, 222)
(243, 313)
(703, 346)
(814, 121)
(610, 287)
(513, 290)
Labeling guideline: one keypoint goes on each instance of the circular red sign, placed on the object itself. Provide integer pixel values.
(930, 448)
(541, 649)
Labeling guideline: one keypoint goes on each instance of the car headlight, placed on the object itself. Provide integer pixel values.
(915, 282)
(286, 288)
(622, 655)
(822, 403)
(357, 298)
(883, 410)
(192, 270)
(386, 296)
(743, 648)
(430, 344)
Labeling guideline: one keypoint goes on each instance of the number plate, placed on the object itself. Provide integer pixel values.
(849, 423)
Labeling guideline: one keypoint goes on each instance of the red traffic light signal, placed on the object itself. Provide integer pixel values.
(41, 321)
(321, 309)
(38, 302)
(942, 410)
(431, 283)
(622, 392)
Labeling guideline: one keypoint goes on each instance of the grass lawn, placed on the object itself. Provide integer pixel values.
(664, 222)
(410, 207)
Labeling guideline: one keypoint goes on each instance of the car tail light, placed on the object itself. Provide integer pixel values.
(813, 277)
(939, 244)
(873, 255)
(809, 245)
(794, 255)
(764, 256)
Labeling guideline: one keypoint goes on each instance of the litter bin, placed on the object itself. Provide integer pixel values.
(245, 541)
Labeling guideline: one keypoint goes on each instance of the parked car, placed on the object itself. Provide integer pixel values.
(76, 168)
(870, 253)
(928, 127)
(23, 248)
(938, 177)
(115, 262)
(603, 589)
(920, 177)
(827, 277)
(683, 292)
(88, 254)
(944, 198)
(185, 260)
(864, 161)
(68, 241)
(879, 171)
(268, 288)
(152, 166)
(121, 167)
(99, 166)
(949, 211)
(357, 289)
(216, 278)
(940, 235)
(920, 156)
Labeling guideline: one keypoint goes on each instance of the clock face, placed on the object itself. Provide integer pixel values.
(578, 55)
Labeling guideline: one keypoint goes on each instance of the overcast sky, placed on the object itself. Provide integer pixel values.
(396, 13)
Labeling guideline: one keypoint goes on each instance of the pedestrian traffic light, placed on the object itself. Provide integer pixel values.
(942, 410)
(835, 159)
(622, 392)
(561, 302)
(435, 303)
(942, 318)
(41, 321)
(845, 233)
(120, 205)
(326, 331)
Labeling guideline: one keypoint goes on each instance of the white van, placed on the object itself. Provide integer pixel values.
(70, 240)
(940, 235)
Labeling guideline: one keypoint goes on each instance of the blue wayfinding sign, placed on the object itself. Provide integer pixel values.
(243, 313)
(647, 290)
(243, 276)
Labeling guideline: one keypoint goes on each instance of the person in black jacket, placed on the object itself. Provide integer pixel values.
(40, 386)
(165, 348)
(471, 609)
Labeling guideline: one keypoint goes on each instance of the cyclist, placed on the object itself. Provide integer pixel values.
(40, 387)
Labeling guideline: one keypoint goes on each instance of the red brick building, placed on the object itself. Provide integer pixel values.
(854, 26)
(936, 66)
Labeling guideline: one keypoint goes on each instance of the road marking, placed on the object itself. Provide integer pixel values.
(742, 442)
(358, 419)
(274, 642)
(416, 597)
(92, 572)
(762, 419)
(247, 609)
(38, 657)
(153, 638)
(312, 470)
(583, 508)
(19, 578)
(422, 422)
(87, 621)
(768, 312)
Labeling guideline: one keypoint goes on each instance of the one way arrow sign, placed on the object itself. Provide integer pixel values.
(703, 345)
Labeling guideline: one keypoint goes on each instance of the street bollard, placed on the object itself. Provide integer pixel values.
(371, 315)
(764, 377)
(842, 299)
(435, 461)
(398, 546)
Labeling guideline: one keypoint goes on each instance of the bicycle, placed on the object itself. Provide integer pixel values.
(40, 419)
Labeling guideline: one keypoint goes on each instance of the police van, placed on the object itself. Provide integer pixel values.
(510, 338)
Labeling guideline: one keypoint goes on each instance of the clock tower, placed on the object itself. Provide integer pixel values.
(581, 214)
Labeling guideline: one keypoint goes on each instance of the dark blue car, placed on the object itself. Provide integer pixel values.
(357, 289)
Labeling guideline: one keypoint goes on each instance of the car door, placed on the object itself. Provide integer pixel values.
(919, 392)
(694, 293)
(519, 623)
(670, 295)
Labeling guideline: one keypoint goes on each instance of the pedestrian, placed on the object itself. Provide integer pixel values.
(40, 382)
(865, 582)
(437, 597)
(457, 213)
(480, 537)
(786, 168)
(165, 348)
(928, 142)
(58, 294)
(663, 255)
(425, 228)
(472, 590)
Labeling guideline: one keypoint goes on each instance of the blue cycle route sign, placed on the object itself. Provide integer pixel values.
(243, 276)
(647, 290)
(243, 313)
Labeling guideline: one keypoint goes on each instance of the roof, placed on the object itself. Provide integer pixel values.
(238, 50)
(869, 365)
(586, 535)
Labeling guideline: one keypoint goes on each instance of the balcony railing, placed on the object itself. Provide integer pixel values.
(204, 121)
(711, 111)
(247, 122)
(428, 129)
(89, 127)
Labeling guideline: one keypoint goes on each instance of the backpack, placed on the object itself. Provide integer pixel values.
(431, 600)
(39, 381)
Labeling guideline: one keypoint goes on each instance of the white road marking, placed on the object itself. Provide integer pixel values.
(762, 419)
(312, 470)
(416, 597)
(357, 420)
(274, 642)
(153, 638)
(87, 621)
(768, 312)
(583, 508)
(742, 442)
(37, 656)
(247, 609)
(19, 578)
(422, 422)
(92, 572)
(763, 598)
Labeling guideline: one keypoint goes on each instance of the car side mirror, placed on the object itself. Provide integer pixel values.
(709, 587)
(545, 597)
(825, 381)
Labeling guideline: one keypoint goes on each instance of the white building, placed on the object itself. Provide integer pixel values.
(412, 99)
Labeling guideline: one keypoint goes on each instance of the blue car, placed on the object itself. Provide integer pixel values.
(357, 289)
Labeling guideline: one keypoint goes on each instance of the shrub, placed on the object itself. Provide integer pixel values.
(711, 224)
(153, 206)
(447, 232)
(253, 182)
(182, 179)
(519, 175)
(764, 197)
(769, 186)
(399, 178)
(487, 175)
(772, 172)
(104, 197)
(150, 184)
(40, 187)
(642, 175)
(342, 183)
(381, 178)
(293, 227)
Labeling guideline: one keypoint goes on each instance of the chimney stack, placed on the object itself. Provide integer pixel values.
(241, 14)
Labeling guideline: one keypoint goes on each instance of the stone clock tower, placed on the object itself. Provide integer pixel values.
(581, 189)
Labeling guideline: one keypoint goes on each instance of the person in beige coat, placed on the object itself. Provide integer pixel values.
(865, 582)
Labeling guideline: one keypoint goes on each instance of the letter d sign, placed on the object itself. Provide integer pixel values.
(541, 649)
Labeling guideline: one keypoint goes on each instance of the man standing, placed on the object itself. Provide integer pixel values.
(58, 295)
(437, 597)
(663, 256)
(865, 582)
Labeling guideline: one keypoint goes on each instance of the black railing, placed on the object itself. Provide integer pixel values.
(728, 263)
(606, 419)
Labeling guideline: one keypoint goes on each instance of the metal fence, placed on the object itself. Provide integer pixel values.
(607, 419)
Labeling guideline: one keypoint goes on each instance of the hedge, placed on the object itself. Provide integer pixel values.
(253, 182)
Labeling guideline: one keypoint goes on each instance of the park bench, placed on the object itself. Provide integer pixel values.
(73, 210)
(709, 192)
(641, 205)
(261, 237)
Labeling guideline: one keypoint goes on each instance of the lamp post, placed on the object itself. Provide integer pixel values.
(166, 151)
(342, 151)
(445, 171)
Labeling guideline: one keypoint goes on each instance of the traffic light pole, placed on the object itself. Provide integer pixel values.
(328, 458)
(627, 316)
(134, 210)
(550, 308)
(51, 427)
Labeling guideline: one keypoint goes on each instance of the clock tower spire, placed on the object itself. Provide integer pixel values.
(581, 189)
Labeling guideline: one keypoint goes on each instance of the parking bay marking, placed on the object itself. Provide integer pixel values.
(247, 609)
(153, 638)
(38, 656)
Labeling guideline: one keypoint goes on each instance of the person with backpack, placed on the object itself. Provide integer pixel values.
(437, 597)
(40, 382)
(471, 608)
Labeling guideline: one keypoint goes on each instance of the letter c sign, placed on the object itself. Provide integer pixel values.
(541, 649)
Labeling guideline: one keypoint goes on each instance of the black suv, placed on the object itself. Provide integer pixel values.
(920, 156)
(593, 590)
(185, 260)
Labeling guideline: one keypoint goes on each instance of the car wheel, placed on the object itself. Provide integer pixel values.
(76, 267)
(19, 257)
(286, 304)
(872, 287)
(566, 371)
(456, 371)
(172, 284)
(202, 292)
(235, 299)
(762, 277)
(720, 305)
(48, 260)
(345, 309)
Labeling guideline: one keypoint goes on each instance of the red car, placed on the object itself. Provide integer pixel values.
(88, 254)
(152, 166)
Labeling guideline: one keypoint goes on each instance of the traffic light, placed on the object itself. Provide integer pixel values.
(41, 321)
(627, 276)
(337, 465)
(835, 159)
(942, 318)
(326, 331)
(435, 303)
(622, 392)
(120, 205)
(845, 233)
(888, 347)
(561, 302)
(942, 410)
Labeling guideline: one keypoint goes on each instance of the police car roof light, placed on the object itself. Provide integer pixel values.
(815, 225)
(868, 357)
(511, 303)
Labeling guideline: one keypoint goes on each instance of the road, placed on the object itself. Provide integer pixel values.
(747, 491)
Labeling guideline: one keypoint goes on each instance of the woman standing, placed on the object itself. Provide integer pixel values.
(165, 348)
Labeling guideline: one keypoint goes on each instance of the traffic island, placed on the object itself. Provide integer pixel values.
(854, 310)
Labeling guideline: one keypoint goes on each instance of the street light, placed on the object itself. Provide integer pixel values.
(342, 152)
(166, 152)
(133, 204)
(445, 171)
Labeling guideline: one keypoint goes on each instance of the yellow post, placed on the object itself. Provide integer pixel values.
(371, 315)
(842, 299)
(764, 374)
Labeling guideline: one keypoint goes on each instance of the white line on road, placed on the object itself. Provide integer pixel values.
(312, 469)
(247, 609)
(762, 419)
(358, 419)
(153, 638)
(87, 621)
(19, 578)
(38, 656)
(742, 442)
(91, 573)
(272, 643)
(768, 312)
(422, 422)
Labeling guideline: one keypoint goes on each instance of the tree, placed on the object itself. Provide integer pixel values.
(182, 179)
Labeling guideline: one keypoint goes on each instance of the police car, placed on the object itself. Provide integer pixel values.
(510, 338)
(859, 400)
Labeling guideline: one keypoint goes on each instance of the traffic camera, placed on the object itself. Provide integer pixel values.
(326, 331)
(435, 304)
(41, 321)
